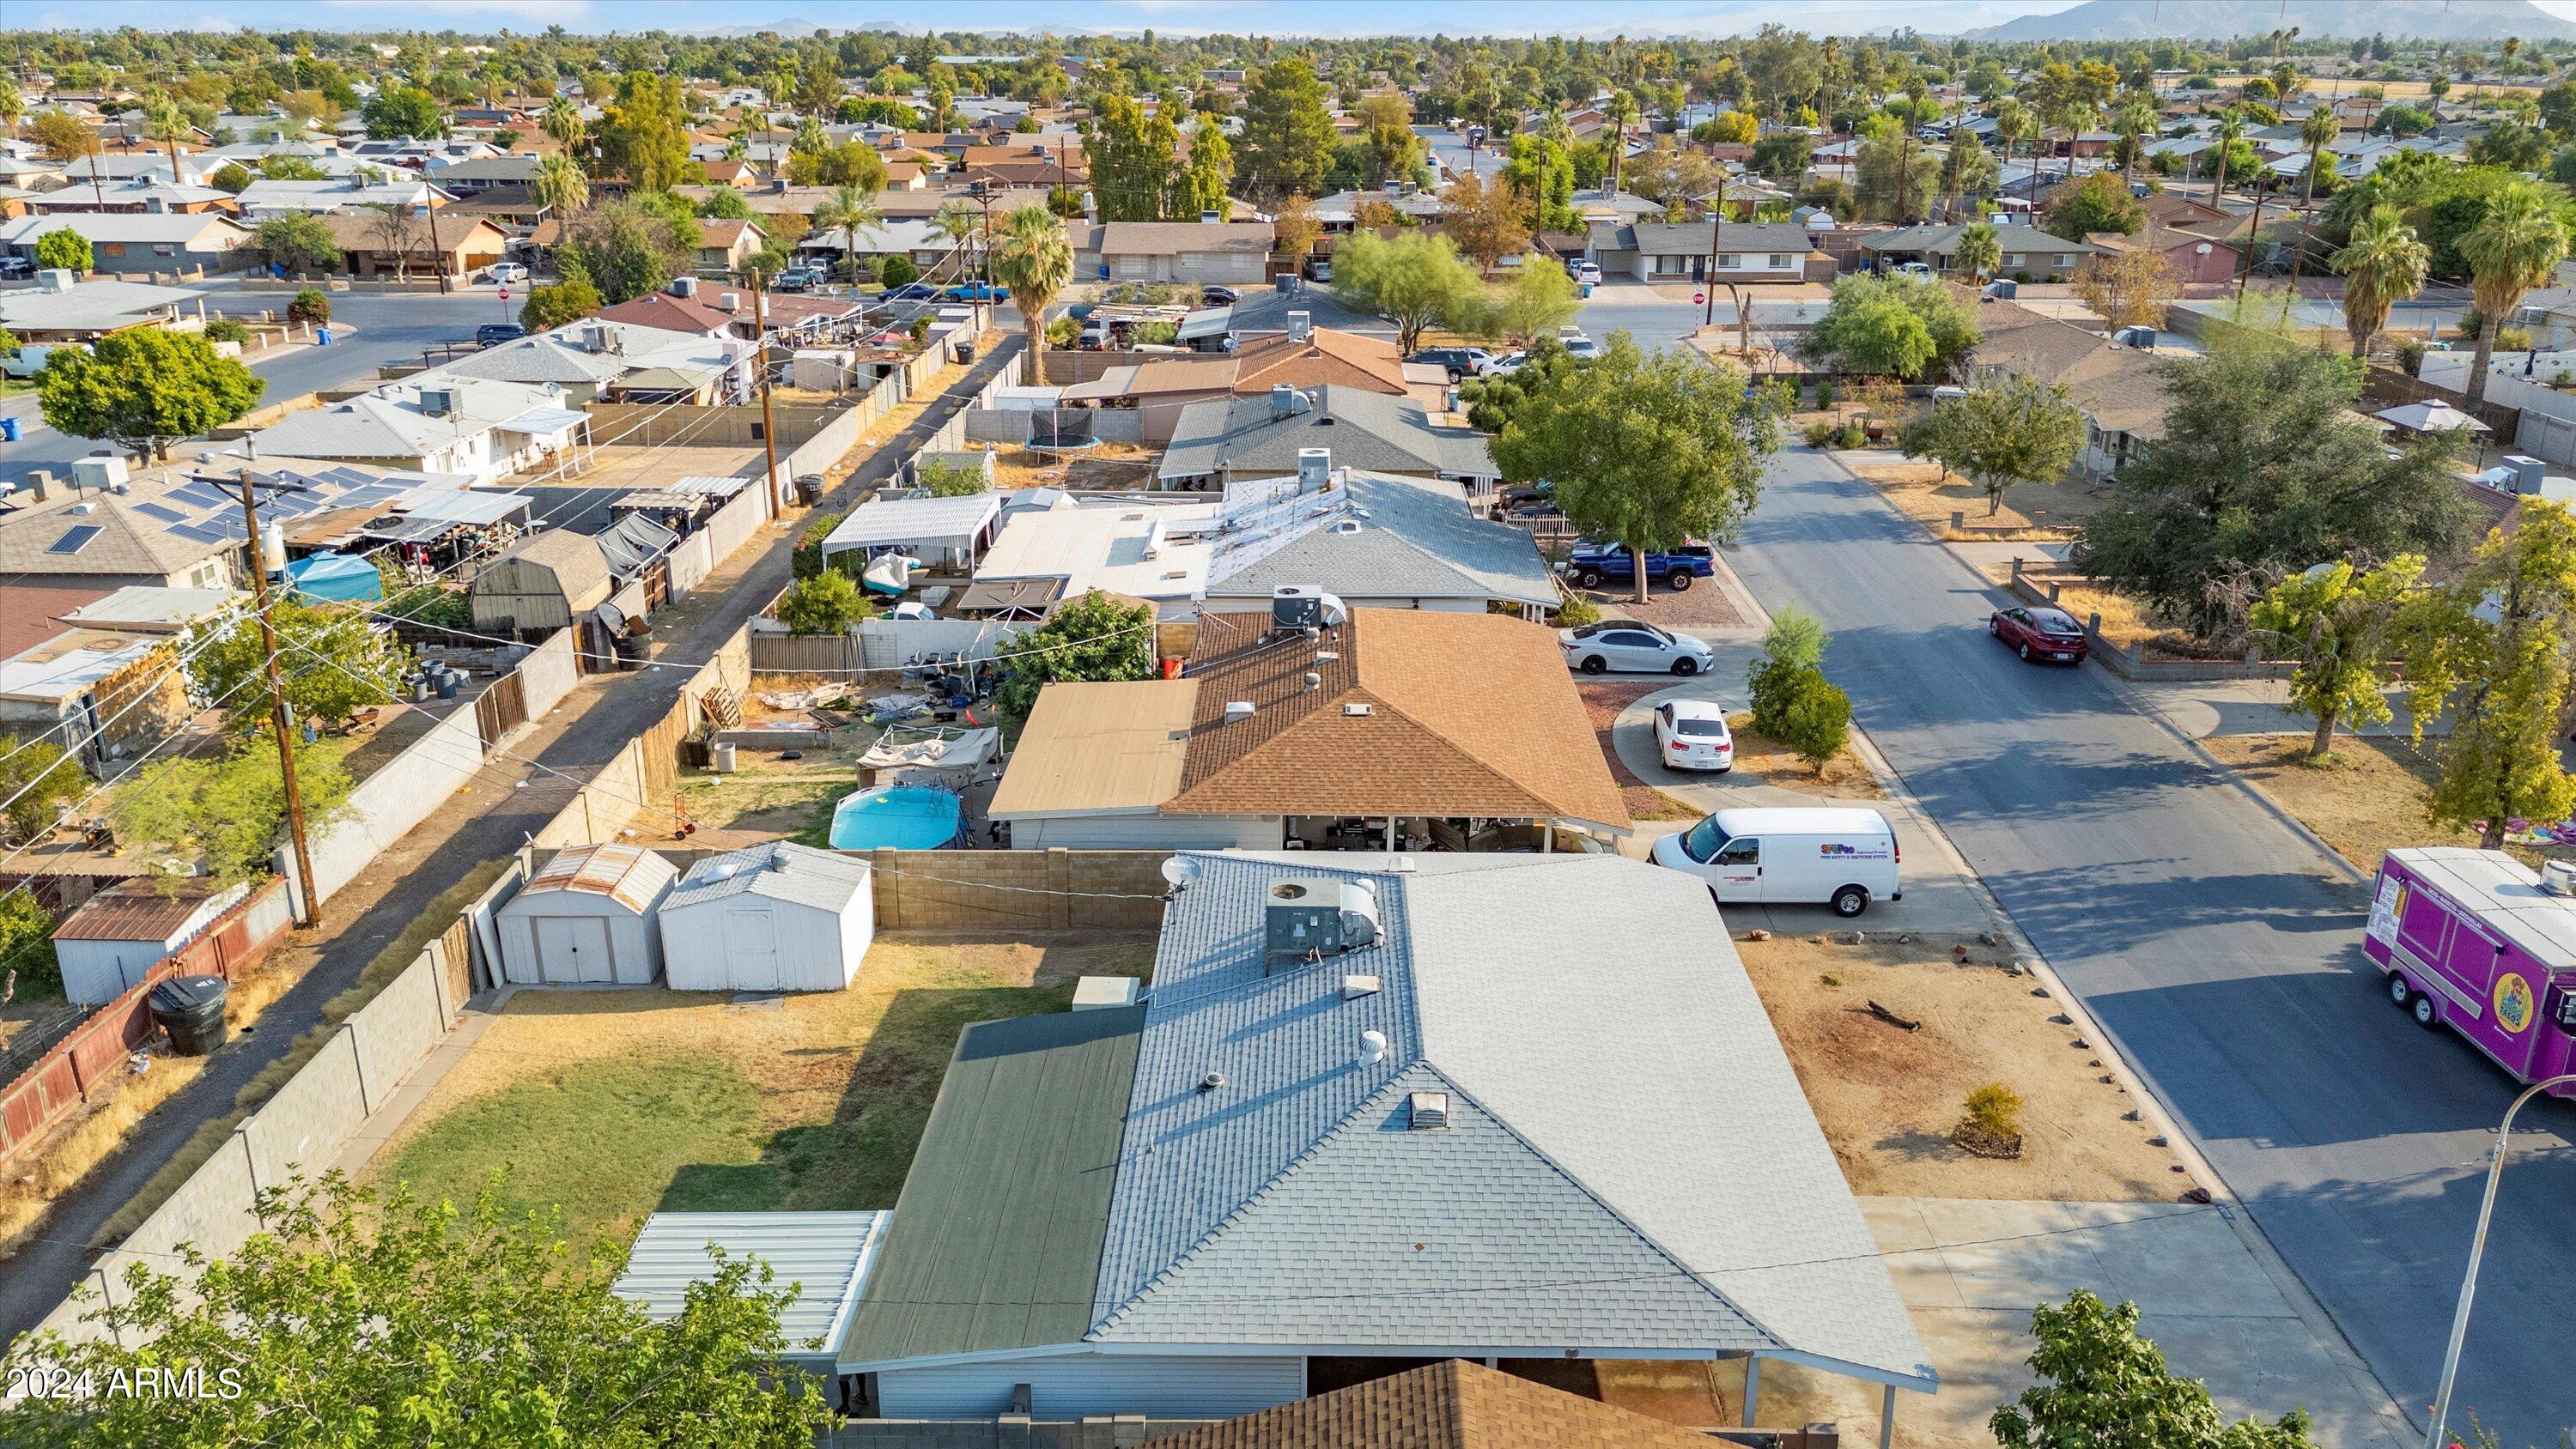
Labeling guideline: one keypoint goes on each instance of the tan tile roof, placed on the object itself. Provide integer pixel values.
(1466, 714)
(1446, 1405)
(1346, 359)
(366, 231)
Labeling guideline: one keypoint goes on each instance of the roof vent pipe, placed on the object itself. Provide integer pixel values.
(1372, 1046)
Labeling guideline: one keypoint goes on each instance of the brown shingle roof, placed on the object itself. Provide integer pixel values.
(1346, 359)
(368, 231)
(1465, 714)
(1446, 1405)
(669, 313)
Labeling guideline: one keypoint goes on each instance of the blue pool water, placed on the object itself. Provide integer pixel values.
(907, 817)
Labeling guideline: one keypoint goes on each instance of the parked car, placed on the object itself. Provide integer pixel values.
(1219, 296)
(1844, 858)
(1588, 272)
(1580, 347)
(1592, 564)
(30, 358)
(1912, 269)
(1627, 645)
(504, 273)
(16, 268)
(1691, 734)
(974, 292)
(2039, 633)
(1319, 269)
(1503, 366)
(493, 334)
(797, 279)
(1461, 362)
(912, 292)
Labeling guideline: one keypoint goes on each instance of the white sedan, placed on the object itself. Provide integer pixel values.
(1503, 366)
(1691, 734)
(1629, 645)
(504, 273)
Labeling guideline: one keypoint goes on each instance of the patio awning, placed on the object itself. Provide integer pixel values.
(545, 422)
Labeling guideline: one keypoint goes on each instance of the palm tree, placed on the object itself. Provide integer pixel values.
(2231, 129)
(563, 124)
(1621, 113)
(1980, 253)
(848, 211)
(1035, 260)
(2517, 246)
(2137, 118)
(559, 186)
(955, 220)
(2434, 89)
(163, 123)
(2318, 132)
(2012, 122)
(13, 104)
(2382, 265)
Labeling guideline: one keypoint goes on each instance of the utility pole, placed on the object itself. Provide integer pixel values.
(2253, 234)
(768, 418)
(1716, 227)
(981, 193)
(311, 915)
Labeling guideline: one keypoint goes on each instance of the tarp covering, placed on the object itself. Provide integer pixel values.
(336, 576)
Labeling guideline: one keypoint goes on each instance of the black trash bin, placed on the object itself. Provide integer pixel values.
(191, 1009)
(809, 488)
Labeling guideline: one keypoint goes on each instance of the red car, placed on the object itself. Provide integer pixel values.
(2040, 633)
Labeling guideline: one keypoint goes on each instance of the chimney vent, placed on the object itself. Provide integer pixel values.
(1429, 1111)
(1356, 711)
(1314, 681)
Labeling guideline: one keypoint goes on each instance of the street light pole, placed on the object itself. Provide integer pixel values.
(2477, 1251)
(307, 892)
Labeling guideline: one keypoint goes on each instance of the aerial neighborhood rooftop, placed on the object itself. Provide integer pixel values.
(1424, 730)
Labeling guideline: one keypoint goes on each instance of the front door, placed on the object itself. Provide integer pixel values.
(1737, 870)
(752, 938)
(574, 948)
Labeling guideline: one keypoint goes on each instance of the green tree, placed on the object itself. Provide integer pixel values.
(2104, 1387)
(1896, 178)
(1860, 333)
(27, 946)
(1541, 174)
(2018, 430)
(1814, 719)
(562, 122)
(1131, 160)
(644, 136)
(1535, 303)
(560, 187)
(1035, 260)
(1097, 637)
(41, 776)
(2262, 470)
(2099, 202)
(943, 479)
(229, 808)
(1980, 252)
(2340, 624)
(2382, 265)
(297, 241)
(145, 389)
(309, 305)
(1287, 133)
(627, 248)
(1645, 452)
(2517, 247)
(2230, 136)
(823, 603)
(1201, 185)
(1794, 645)
(350, 1320)
(232, 176)
(569, 299)
(66, 249)
(2492, 647)
(290, 168)
(334, 665)
(1413, 281)
(849, 211)
(1782, 155)
(404, 112)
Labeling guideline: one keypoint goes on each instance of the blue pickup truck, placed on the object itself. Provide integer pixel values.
(1592, 564)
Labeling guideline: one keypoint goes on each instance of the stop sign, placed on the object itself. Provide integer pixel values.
(505, 294)
(1695, 296)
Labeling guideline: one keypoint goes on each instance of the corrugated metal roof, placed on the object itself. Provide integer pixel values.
(146, 908)
(995, 1242)
(827, 1256)
(778, 870)
(945, 521)
(634, 876)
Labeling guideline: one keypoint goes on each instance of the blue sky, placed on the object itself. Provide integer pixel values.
(1263, 17)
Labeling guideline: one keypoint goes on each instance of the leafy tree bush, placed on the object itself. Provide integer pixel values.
(145, 389)
(27, 944)
(2015, 431)
(824, 603)
(1814, 719)
(1096, 637)
(434, 605)
(46, 775)
(225, 329)
(1903, 327)
(64, 249)
(570, 298)
(945, 479)
(2339, 623)
(1819, 435)
(232, 176)
(309, 305)
(1415, 281)
(229, 808)
(398, 1320)
(1794, 645)
(1996, 1109)
(298, 242)
(2103, 1386)
(807, 560)
(334, 665)
(897, 270)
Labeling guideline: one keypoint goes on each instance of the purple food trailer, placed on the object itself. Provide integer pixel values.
(2473, 938)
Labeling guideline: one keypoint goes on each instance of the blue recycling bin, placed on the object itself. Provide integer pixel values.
(8, 430)
(322, 336)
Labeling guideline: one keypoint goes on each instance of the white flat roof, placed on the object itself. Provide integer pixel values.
(1128, 551)
(947, 522)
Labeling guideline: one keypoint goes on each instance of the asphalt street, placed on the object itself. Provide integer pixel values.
(2217, 946)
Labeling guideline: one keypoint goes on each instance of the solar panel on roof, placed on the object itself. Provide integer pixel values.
(160, 511)
(197, 533)
(290, 505)
(227, 525)
(345, 477)
(369, 497)
(76, 539)
(200, 495)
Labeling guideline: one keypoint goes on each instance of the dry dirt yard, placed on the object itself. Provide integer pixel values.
(2032, 511)
(616, 1103)
(2367, 798)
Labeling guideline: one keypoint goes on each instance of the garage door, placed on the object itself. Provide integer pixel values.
(751, 942)
(574, 948)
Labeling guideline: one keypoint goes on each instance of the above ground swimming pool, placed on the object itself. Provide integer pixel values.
(907, 817)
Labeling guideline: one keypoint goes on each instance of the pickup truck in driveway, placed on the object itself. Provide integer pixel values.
(1591, 565)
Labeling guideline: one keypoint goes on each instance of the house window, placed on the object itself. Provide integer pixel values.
(1668, 265)
(164, 250)
(1782, 261)
(1729, 261)
(111, 249)
(2065, 260)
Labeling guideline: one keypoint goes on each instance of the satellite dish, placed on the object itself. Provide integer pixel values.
(1181, 872)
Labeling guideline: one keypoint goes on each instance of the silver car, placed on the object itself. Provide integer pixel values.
(1630, 646)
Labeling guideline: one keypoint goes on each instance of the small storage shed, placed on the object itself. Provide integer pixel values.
(587, 916)
(120, 933)
(826, 1255)
(542, 582)
(775, 917)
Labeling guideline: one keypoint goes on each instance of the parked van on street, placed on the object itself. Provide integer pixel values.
(1844, 858)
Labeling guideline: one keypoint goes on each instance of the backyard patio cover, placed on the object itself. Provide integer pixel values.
(954, 523)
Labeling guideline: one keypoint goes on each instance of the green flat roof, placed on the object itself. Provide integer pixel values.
(995, 1243)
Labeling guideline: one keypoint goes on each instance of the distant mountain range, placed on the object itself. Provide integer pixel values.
(2229, 19)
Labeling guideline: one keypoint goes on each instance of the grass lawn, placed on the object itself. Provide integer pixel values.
(785, 799)
(613, 1104)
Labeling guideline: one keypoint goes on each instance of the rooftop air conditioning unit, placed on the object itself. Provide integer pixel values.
(1314, 467)
(2558, 877)
(437, 402)
(1304, 606)
(55, 279)
(98, 472)
(684, 286)
(1317, 916)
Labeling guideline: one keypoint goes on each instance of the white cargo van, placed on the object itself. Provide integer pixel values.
(1838, 857)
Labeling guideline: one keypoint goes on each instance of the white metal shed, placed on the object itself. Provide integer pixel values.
(946, 533)
(775, 917)
(827, 1256)
(107, 945)
(587, 917)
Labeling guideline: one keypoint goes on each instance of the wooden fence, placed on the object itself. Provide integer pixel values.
(55, 1084)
